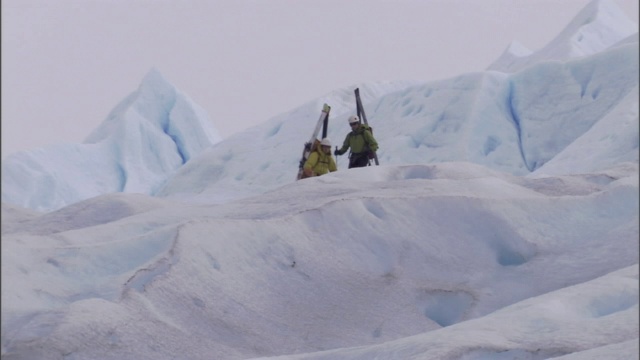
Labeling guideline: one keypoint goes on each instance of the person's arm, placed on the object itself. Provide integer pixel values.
(373, 144)
(332, 164)
(310, 164)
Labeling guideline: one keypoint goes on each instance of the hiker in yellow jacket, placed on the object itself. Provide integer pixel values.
(320, 161)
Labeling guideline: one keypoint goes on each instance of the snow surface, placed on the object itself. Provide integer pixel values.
(502, 224)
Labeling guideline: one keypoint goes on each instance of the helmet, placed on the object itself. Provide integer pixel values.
(353, 119)
(325, 142)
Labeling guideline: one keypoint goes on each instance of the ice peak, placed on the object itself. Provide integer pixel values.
(517, 49)
(154, 83)
(600, 25)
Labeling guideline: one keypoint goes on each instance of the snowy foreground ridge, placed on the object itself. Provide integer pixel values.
(421, 261)
(156, 140)
(502, 224)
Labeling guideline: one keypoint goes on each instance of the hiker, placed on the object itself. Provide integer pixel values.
(362, 143)
(320, 160)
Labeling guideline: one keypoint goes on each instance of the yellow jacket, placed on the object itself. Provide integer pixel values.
(319, 163)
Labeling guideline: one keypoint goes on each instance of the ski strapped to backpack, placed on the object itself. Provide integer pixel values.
(313, 142)
(363, 116)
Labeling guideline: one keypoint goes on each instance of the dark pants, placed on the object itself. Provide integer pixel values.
(358, 160)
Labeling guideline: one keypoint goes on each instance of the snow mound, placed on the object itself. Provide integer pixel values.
(423, 254)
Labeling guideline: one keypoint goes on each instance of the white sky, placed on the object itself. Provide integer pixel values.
(66, 64)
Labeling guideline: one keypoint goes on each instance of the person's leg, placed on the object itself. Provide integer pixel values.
(363, 161)
(358, 161)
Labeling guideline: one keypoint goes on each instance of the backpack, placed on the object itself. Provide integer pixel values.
(366, 127)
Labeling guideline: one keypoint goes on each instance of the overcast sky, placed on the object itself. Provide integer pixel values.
(67, 63)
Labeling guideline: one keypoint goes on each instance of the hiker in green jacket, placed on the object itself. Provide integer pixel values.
(320, 161)
(362, 143)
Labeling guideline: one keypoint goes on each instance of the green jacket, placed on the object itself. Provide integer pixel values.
(360, 140)
(320, 163)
